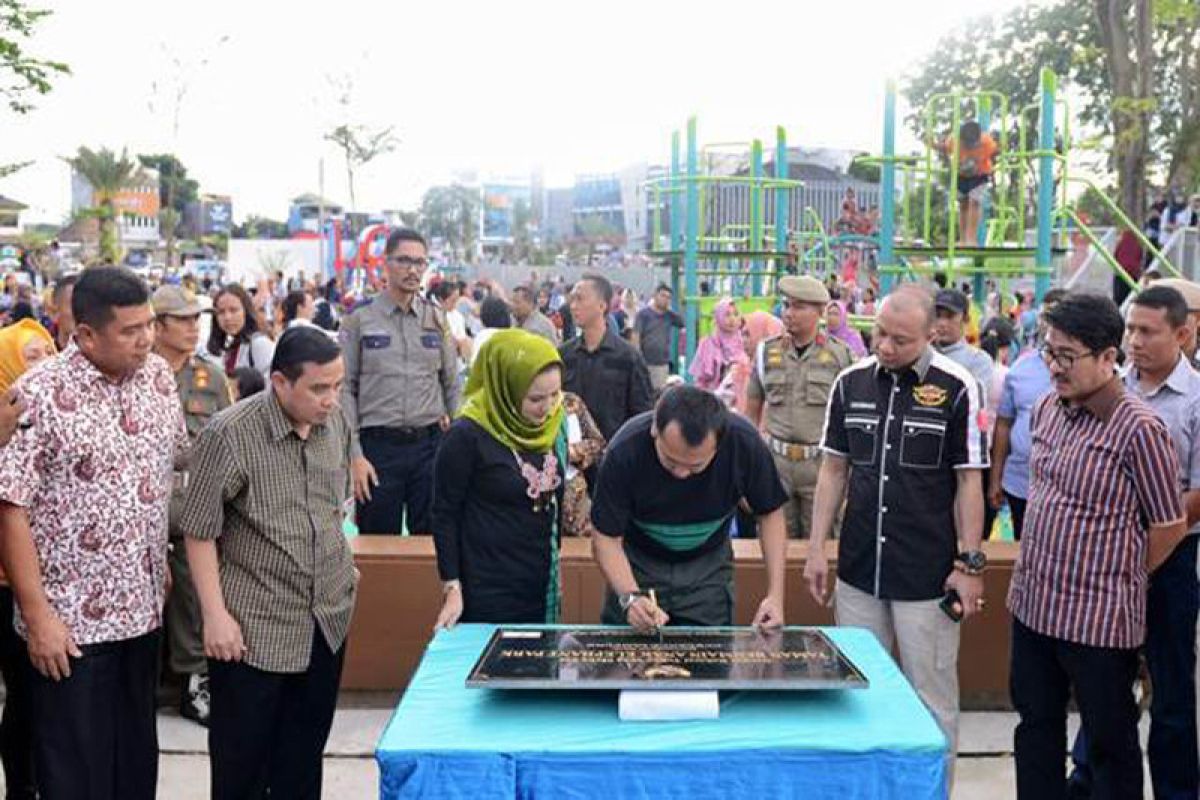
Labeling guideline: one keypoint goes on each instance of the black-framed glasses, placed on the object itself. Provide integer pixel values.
(408, 262)
(1065, 360)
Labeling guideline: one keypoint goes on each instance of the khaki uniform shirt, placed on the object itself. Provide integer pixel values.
(203, 391)
(795, 388)
(401, 366)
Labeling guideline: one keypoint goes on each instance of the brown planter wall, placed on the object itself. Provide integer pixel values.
(399, 595)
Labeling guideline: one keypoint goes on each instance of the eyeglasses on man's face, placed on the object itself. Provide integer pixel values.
(408, 262)
(1063, 359)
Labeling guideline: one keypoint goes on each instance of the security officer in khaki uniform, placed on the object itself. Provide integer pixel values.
(793, 373)
(204, 391)
(401, 388)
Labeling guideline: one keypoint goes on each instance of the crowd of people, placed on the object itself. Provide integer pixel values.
(149, 462)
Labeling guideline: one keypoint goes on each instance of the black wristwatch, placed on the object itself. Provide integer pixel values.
(972, 562)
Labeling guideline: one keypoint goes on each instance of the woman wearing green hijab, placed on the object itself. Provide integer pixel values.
(498, 485)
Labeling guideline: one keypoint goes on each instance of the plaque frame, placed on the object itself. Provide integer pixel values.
(632, 674)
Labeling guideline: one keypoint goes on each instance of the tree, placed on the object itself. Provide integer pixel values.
(168, 226)
(1134, 69)
(108, 175)
(452, 213)
(361, 145)
(21, 74)
(175, 189)
(256, 227)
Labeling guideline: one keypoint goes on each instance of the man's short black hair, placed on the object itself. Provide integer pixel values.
(697, 412)
(1090, 319)
(601, 285)
(1053, 296)
(524, 291)
(1167, 299)
(61, 285)
(292, 304)
(102, 289)
(403, 235)
(662, 287)
(302, 345)
(443, 290)
(494, 313)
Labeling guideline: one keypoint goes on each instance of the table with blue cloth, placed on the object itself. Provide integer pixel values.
(448, 741)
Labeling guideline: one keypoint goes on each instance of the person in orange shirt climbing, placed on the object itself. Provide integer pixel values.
(976, 150)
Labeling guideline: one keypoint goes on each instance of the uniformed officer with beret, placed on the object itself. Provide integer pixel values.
(204, 391)
(789, 389)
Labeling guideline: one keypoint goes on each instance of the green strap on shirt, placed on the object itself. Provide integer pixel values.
(682, 537)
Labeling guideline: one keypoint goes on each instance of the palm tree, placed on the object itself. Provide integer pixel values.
(108, 174)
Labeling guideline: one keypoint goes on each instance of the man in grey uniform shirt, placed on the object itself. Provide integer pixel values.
(399, 393)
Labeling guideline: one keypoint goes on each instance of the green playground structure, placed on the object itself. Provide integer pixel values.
(1004, 248)
(746, 259)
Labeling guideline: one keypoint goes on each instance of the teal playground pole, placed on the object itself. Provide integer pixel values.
(887, 203)
(1045, 184)
(676, 222)
(757, 195)
(781, 200)
(978, 282)
(690, 256)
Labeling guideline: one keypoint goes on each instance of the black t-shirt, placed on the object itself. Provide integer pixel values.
(678, 519)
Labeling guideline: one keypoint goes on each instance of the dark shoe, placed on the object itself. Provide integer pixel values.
(194, 703)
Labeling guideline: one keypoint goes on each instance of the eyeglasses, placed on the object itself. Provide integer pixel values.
(407, 262)
(1064, 360)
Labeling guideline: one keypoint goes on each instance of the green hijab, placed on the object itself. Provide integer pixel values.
(502, 372)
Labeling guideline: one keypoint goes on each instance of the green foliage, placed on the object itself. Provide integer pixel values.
(21, 74)
(871, 173)
(12, 169)
(452, 213)
(108, 174)
(255, 227)
(175, 189)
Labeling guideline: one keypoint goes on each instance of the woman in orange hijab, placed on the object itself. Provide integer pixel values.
(22, 345)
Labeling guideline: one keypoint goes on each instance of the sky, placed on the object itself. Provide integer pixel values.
(496, 87)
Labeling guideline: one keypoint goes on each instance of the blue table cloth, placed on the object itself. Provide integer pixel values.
(448, 741)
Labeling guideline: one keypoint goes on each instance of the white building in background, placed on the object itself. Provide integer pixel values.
(137, 208)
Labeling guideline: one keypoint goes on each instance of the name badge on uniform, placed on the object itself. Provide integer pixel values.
(376, 342)
(431, 341)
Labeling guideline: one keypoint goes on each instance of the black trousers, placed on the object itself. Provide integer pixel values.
(95, 736)
(16, 727)
(267, 730)
(405, 490)
(1043, 672)
(1016, 505)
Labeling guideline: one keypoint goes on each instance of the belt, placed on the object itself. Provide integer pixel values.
(793, 451)
(402, 435)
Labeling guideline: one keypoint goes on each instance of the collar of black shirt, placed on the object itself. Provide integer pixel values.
(919, 368)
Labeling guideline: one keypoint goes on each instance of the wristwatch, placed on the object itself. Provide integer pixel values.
(626, 600)
(450, 586)
(972, 562)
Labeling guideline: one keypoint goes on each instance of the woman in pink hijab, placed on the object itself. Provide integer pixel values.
(837, 326)
(757, 327)
(721, 349)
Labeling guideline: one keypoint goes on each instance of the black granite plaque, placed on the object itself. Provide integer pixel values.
(676, 658)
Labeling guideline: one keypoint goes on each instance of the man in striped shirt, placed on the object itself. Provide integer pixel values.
(1104, 511)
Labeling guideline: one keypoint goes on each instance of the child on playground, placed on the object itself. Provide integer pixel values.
(976, 150)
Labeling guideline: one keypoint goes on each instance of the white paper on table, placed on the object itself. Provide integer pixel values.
(643, 705)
